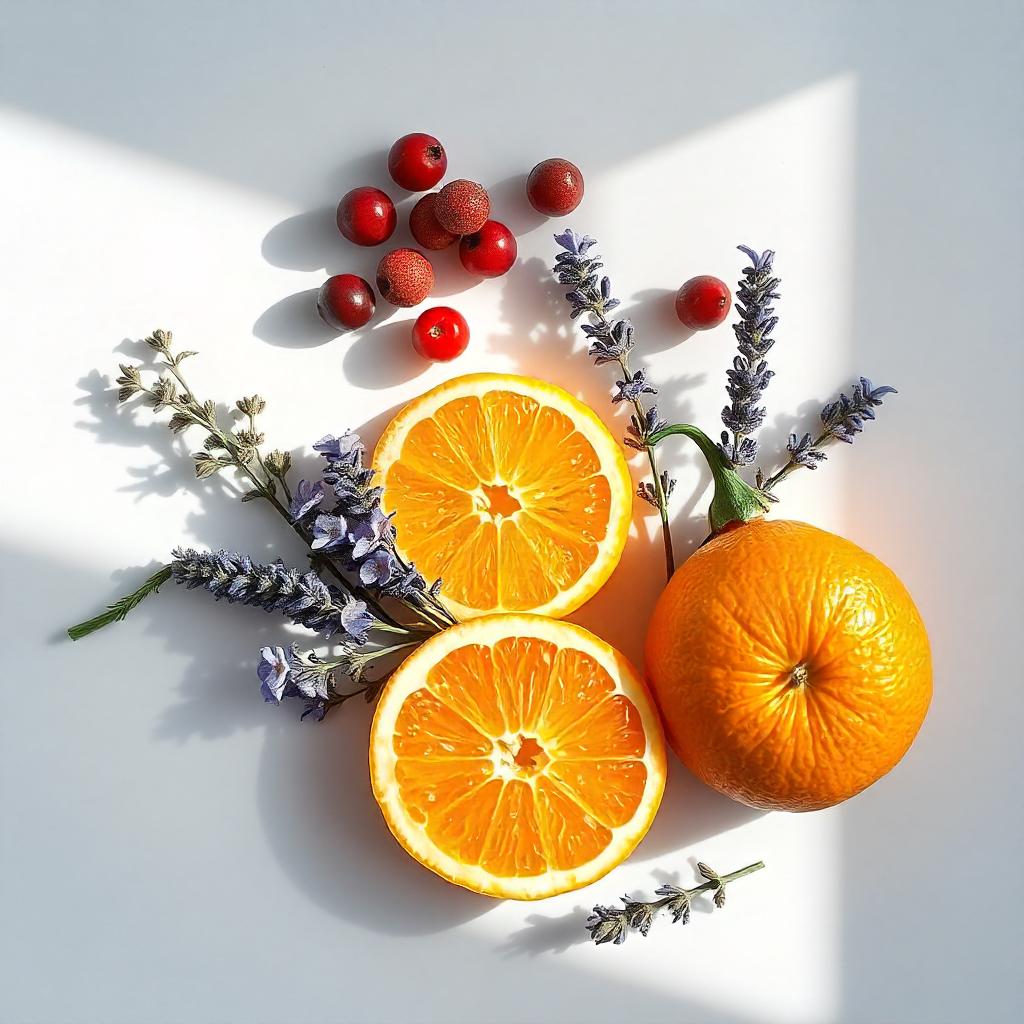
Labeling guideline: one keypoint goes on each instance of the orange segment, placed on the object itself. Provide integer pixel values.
(612, 790)
(517, 755)
(510, 490)
(429, 728)
(571, 836)
(525, 581)
(522, 674)
(514, 850)
(510, 422)
(462, 827)
(429, 505)
(473, 569)
(464, 681)
(462, 419)
(429, 784)
(612, 728)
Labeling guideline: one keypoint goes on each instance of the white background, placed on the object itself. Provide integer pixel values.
(174, 850)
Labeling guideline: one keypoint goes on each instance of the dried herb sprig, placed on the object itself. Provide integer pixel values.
(841, 419)
(302, 596)
(749, 375)
(612, 924)
(287, 672)
(611, 341)
(734, 499)
(241, 448)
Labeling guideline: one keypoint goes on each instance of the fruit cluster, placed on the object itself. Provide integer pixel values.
(458, 212)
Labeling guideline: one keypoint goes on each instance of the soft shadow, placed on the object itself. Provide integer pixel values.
(653, 314)
(510, 205)
(450, 276)
(382, 356)
(547, 934)
(772, 437)
(330, 838)
(293, 322)
(689, 813)
(307, 241)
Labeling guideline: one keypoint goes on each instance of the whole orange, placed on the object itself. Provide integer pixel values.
(791, 667)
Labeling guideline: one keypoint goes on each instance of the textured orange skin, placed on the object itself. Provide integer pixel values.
(726, 635)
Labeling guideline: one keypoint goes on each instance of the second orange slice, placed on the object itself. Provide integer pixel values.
(510, 490)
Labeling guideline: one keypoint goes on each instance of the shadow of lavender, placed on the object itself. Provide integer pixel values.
(313, 793)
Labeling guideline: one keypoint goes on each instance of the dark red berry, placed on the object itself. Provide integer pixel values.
(404, 277)
(440, 333)
(424, 226)
(417, 162)
(345, 302)
(489, 252)
(462, 207)
(703, 302)
(366, 216)
(555, 187)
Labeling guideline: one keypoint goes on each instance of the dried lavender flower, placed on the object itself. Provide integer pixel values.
(361, 536)
(841, 420)
(274, 587)
(611, 341)
(307, 497)
(287, 672)
(612, 924)
(749, 375)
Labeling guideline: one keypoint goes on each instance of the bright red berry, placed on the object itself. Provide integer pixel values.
(440, 333)
(345, 302)
(462, 207)
(404, 277)
(366, 216)
(417, 162)
(703, 302)
(489, 252)
(555, 187)
(424, 226)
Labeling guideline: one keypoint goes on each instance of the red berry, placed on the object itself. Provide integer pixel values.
(404, 277)
(366, 216)
(424, 226)
(703, 302)
(489, 252)
(345, 302)
(462, 207)
(555, 187)
(417, 162)
(440, 333)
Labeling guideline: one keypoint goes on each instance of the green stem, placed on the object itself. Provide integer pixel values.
(734, 499)
(711, 884)
(780, 474)
(659, 491)
(117, 611)
(748, 870)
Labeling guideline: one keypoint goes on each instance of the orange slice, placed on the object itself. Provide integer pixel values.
(517, 755)
(510, 490)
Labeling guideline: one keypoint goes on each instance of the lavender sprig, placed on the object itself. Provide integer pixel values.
(749, 375)
(842, 419)
(302, 596)
(287, 672)
(611, 341)
(239, 447)
(612, 924)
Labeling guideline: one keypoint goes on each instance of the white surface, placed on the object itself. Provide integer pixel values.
(173, 850)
